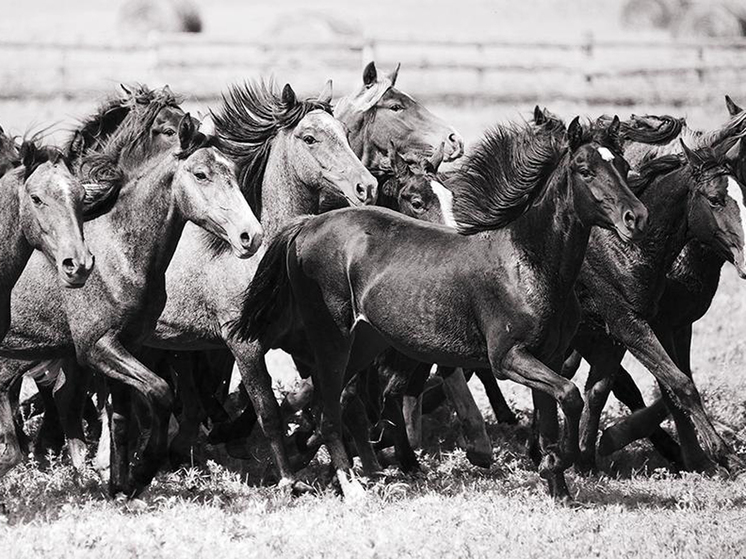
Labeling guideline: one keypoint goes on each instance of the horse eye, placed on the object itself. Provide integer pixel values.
(416, 203)
(585, 172)
(35, 199)
(169, 132)
(309, 140)
(200, 175)
(715, 202)
(396, 108)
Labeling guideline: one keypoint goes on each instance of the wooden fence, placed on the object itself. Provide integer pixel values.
(587, 70)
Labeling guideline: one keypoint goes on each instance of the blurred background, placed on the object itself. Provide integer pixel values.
(473, 61)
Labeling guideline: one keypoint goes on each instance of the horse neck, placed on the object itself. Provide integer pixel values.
(15, 250)
(666, 201)
(550, 235)
(146, 216)
(284, 195)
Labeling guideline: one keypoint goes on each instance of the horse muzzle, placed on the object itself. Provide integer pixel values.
(74, 271)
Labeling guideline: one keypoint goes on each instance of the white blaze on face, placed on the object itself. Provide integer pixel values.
(735, 192)
(606, 154)
(445, 197)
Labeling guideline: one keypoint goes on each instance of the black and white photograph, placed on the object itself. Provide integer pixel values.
(402, 278)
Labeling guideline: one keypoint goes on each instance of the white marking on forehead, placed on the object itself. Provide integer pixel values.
(606, 154)
(445, 197)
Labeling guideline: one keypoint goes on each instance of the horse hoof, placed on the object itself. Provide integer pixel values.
(301, 488)
(508, 419)
(550, 465)
(606, 444)
(480, 459)
(352, 489)
(586, 465)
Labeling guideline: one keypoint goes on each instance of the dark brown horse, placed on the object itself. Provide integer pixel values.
(690, 286)
(619, 287)
(108, 319)
(337, 289)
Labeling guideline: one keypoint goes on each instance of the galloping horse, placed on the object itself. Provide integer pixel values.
(691, 284)
(134, 128)
(690, 198)
(109, 318)
(337, 289)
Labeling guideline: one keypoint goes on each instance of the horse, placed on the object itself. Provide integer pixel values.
(375, 115)
(619, 286)
(150, 119)
(691, 284)
(337, 289)
(105, 321)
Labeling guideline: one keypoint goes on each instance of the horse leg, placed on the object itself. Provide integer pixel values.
(51, 437)
(604, 358)
(638, 424)
(412, 403)
(258, 383)
(500, 407)
(111, 358)
(70, 398)
(685, 402)
(523, 368)
(571, 364)
(10, 451)
(478, 444)
(355, 418)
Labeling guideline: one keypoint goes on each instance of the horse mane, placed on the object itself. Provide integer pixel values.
(102, 124)
(251, 115)
(735, 126)
(504, 174)
(102, 170)
(652, 169)
(667, 132)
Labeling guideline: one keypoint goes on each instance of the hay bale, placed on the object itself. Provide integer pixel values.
(705, 19)
(651, 14)
(165, 16)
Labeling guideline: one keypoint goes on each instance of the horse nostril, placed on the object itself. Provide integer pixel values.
(245, 239)
(453, 138)
(362, 191)
(68, 265)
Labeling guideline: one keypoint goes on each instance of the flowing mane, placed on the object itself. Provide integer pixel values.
(668, 130)
(734, 127)
(251, 115)
(503, 175)
(98, 128)
(651, 169)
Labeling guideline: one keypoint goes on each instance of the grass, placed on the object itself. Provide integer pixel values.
(633, 507)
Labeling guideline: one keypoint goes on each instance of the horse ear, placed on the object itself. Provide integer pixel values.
(733, 153)
(398, 165)
(29, 154)
(395, 74)
(370, 74)
(77, 145)
(186, 131)
(691, 156)
(325, 96)
(612, 132)
(575, 134)
(733, 109)
(288, 96)
(127, 90)
(539, 117)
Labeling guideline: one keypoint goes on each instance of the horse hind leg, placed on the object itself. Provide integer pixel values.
(478, 444)
(10, 451)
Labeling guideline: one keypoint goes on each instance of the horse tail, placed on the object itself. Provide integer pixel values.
(269, 291)
(666, 132)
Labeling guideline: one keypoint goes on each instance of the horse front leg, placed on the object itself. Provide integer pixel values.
(70, 395)
(112, 359)
(685, 402)
(520, 366)
(499, 405)
(355, 417)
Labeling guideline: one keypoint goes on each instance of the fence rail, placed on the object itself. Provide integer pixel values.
(590, 69)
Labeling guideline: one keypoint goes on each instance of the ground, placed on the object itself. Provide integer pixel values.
(634, 507)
